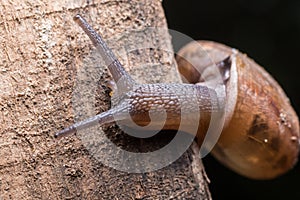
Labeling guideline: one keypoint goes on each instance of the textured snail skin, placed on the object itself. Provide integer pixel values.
(260, 137)
(144, 103)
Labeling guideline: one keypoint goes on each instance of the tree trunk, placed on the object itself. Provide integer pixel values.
(42, 56)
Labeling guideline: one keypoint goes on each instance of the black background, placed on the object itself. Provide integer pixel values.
(269, 32)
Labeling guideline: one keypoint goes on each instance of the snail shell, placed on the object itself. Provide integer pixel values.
(260, 138)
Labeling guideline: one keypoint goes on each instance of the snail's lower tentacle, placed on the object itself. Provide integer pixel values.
(100, 119)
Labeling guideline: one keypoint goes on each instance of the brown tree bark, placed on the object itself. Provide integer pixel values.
(42, 52)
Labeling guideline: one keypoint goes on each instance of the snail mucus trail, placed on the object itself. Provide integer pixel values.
(260, 137)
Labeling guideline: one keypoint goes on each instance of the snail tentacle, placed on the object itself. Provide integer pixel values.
(119, 74)
(112, 115)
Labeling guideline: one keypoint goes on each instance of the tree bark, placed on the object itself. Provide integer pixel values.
(41, 57)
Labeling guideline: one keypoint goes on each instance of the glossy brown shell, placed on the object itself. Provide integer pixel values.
(260, 139)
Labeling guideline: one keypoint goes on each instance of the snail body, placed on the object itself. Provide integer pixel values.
(260, 137)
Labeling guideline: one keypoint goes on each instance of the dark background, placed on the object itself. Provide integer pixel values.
(269, 32)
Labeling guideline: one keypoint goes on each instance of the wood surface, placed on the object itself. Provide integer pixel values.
(42, 55)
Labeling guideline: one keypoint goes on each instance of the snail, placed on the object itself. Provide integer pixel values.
(260, 135)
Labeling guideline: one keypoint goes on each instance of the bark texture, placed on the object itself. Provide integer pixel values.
(42, 55)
